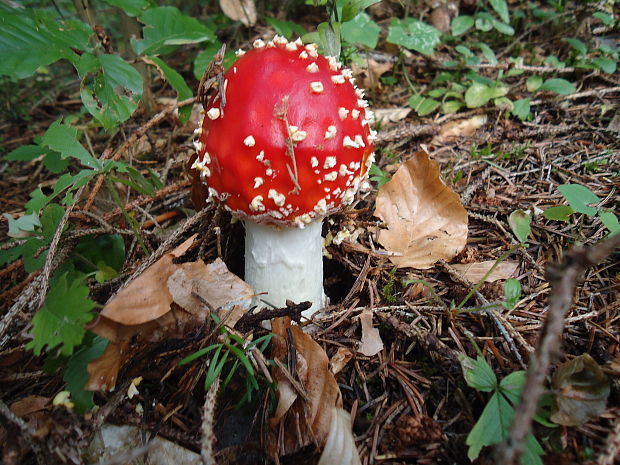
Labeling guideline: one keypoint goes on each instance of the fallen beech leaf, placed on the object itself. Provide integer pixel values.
(240, 10)
(305, 417)
(147, 297)
(452, 130)
(29, 405)
(103, 371)
(391, 115)
(371, 339)
(425, 219)
(340, 446)
(582, 391)
(474, 272)
(340, 360)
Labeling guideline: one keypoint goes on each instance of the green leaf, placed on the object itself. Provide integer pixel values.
(461, 24)
(484, 22)
(63, 138)
(285, 28)
(520, 222)
(607, 65)
(478, 374)
(167, 26)
(205, 56)
(414, 35)
(422, 105)
(487, 52)
(533, 83)
(582, 389)
(512, 293)
(76, 374)
(503, 28)
(38, 199)
(50, 218)
(579, 198)
(610, 220)
(478, 95)
(10, 255)
(605, 18)
(30, 39)
(501, 8)
(558, 213)
(492, 426)
(33, 262)
(25, 153)
(511, 386)
(54, 162)
(178, 84)
(361, 30)
(558, 85)
(578, 45)
(61, 320)
(451, 106)
(131, 7)
(329, 38)
(97, 252)
(521, 108)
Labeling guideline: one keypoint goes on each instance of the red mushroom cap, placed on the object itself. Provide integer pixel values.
(292, 142)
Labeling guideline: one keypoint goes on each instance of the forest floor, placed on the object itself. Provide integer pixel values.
(410, 401)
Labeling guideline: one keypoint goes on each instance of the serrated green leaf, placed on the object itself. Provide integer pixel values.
(30, 39)
(166, 26)
(63, 138)
(25, 153)
(76, 374)
(361, 30)
(461, 24)
(61, 320)
(579, 198)
(610, 220)
(520, 223)
(558, 213)
(178, 84)
(558, 85)
(478, 374)
(521, 108)
(492, 426)
(501, 8)
(414, 35)
(50, 218)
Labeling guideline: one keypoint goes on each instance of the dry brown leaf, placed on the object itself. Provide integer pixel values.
(474, 272)
(425, 219)
(368, 76)
(371, 339)
(103, 371)
(452, 130)
(240, 10)
(147, 297)
(305, 418)
(340, 446)
(29, 405)
(340, 360)
(391, 115)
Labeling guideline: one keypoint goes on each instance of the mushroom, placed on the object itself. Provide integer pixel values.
(282, 144)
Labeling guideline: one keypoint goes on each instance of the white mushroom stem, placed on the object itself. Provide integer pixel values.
(285, 263)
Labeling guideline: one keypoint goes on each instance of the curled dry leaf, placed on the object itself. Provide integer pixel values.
(391, 115)
(340, 446)
(240, 10)
(340, 360)
(308, 397)
(167, 300)
(371, 339)
(452, 130)
(582, 390)
(425, 219)
(474, 272)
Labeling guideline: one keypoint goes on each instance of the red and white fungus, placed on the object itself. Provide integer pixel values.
(292, 143)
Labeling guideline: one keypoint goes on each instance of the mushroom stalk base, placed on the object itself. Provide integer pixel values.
(285, 263)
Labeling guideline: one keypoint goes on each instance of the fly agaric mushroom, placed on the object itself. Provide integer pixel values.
(284, 143)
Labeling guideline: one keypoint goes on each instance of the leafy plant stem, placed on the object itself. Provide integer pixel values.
(479, 284)
(132, 222)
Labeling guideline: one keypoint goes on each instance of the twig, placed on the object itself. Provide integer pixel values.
(207, 440)
(563, 280)
(611, 454)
